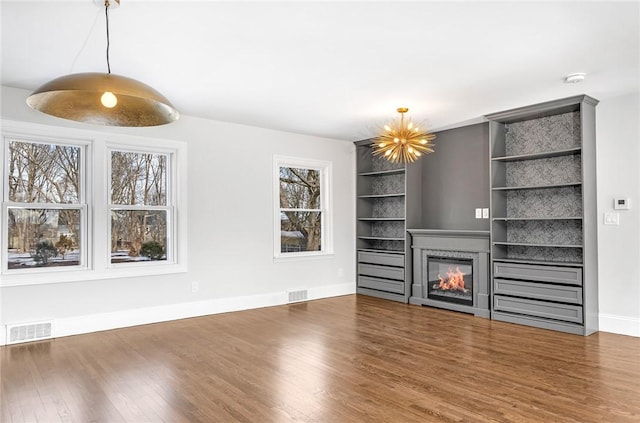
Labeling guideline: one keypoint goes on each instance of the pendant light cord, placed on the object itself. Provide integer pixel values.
(106, 15)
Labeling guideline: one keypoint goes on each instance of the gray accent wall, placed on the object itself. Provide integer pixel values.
(455, 179)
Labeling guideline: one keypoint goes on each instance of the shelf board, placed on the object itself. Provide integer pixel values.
(540, 262)
(381, 195)
(526, 244)
(379, 250)
(381, 238)
(508, 219)
(381, 219)
(569, 184)
(382, 172)
(540, 155)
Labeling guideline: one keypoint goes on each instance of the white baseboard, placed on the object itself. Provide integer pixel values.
(77, 325)
(622, 325)
(121, 319)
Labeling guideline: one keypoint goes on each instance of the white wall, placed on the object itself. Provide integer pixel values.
(230, 233)
(231, 238)
(618, 169)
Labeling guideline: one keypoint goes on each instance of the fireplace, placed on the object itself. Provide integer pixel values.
(450, 279)
(451, 270)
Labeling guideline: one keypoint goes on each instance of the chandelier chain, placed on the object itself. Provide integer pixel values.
(106, 15)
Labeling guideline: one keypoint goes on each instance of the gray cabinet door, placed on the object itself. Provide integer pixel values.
(530, 272)
(381, 271)
(384, 259)
(538, 291)
(381, 284)
(564, 312)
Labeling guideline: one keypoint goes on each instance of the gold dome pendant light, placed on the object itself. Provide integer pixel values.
(402, 143)
(103, 98)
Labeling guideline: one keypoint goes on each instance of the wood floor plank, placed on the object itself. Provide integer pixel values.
(344, 359)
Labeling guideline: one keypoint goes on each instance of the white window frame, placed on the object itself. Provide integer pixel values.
(82, 206)
(169, 207)
(96, 192)
(326, 205)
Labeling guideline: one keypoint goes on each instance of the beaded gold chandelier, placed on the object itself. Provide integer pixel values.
(402, 142)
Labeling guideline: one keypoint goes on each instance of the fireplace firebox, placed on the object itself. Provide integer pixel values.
(451, 270)
(450, 280)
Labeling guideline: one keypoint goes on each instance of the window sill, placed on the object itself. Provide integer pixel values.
(301, 257)
(81, 275)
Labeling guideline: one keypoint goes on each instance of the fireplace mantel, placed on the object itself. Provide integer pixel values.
(443, 243)
(449, 232)
(459, 240)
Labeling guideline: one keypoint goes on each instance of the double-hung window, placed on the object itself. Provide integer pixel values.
(303, 207)
(141, 206)
(44, 206)
(79, 205)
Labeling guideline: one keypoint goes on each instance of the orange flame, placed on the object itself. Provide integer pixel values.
(453, 282)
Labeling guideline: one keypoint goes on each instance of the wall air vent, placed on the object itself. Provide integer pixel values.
(297, 296)
(25, 332)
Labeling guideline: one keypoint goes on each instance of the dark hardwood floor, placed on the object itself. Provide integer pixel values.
(344, 359)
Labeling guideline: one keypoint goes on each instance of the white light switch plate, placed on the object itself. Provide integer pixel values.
(478, 213)
(485, 213)
(611, 218)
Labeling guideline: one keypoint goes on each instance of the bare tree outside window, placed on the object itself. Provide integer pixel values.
(139, 212)
(300, 210)
(44, 205)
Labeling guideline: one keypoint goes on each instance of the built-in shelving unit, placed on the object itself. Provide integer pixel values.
(383, 172)
(381, 222)
(539, 155)
(541, 186)
(381, 195)
(532, 244)
(543, 229)
(525, 219)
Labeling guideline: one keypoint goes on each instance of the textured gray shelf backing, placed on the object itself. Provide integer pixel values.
(387, 207)
(547, 171)
(378, 163)
(388, 229)
(543, 134)
(552, 202)
(538, 155)
(560, 232)
(544, 253)
(377, 244)
(385, 184)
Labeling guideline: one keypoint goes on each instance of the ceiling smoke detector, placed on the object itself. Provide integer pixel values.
(574, 78)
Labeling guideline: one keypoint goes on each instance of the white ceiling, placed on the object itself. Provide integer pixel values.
(333, 69)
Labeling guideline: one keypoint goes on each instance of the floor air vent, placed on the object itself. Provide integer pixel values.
(26, 332)
(296, 296)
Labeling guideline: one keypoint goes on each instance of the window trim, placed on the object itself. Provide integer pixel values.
(326, 206)
(170, 207)
(95, 190)
(82, 205)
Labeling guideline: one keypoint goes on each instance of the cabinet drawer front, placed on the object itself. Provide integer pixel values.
(565, 312)
(381, 271)
(381, 284)
(381, 258)
(532, 272)
(538, 291)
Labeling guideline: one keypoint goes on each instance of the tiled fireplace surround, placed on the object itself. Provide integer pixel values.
(454, 244)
